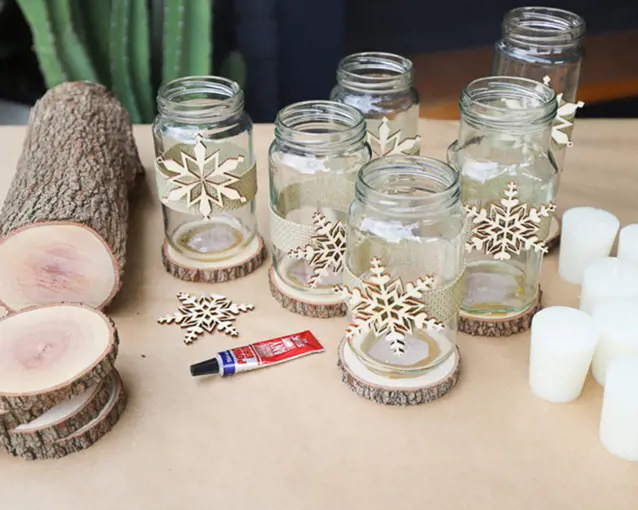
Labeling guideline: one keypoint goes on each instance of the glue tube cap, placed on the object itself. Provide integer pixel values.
(208, 367)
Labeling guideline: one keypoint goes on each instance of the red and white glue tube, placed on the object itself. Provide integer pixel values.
(261, 354)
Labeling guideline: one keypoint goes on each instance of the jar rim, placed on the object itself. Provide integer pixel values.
(543, 26)
(193, 98)
(320, 124)
(525, 104)
(375, 71)
(439, 184)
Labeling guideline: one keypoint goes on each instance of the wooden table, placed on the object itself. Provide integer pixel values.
(294, 436)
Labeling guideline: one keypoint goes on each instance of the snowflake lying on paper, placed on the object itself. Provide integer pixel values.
(326, 249)
(386, 144)
(508, 228)
(385, 307)
(565, 111)
(202, 180)
(205, 314)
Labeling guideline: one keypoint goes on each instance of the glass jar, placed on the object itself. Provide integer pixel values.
(406, 222)
(381, 86)
(540, 42)
(508, 184)
(318, 149)
(205, 168)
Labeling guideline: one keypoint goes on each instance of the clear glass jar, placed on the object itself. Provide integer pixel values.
(407, 215)
(205, 167)
(381, 86)
(508, 184)
(539, 42)
(318, 149)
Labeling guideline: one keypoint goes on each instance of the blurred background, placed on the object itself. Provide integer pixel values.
(284, 51)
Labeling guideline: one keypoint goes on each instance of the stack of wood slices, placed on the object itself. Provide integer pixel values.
(64, 227)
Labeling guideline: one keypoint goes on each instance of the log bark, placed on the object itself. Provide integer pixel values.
(78, 163)
(398, 392)
(70, 347)
(84, 437)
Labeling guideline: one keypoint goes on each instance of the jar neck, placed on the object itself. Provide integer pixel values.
(408, 184)
(544, 29)
(320, 126)
(507, 107)
(375, 72)
(193, 99)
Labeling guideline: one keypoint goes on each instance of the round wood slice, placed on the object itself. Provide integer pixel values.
(62, 420)
(85, 436)
(437, 383)
(193, 271)
(505, 326)
(49, 354)
(64, 221)
(298, 302)
(553, 239)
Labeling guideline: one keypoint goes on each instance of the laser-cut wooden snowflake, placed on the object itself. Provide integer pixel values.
(199, 314)
(386, 143)
(508, 228)
(326, 249)
(387, 307)
(202, 180)
(565, 111)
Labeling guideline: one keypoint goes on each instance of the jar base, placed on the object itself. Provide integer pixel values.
(294, 300)
(422, 389)
(242, 264)
(500, 325)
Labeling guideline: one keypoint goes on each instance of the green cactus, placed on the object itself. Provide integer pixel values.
(95, 18)
(140, 41)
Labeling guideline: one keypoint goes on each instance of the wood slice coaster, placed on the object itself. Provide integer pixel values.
(437, 383)
(61, 420)
(322, 307)
(500, 326)
(51, 353)
(184, 268)
(85, 436)
(553, 239)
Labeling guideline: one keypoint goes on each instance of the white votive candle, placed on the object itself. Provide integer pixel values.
(628, 244)
(619, 417)
(617, 334)
(607, 279)
(561, 348)
(587, 234)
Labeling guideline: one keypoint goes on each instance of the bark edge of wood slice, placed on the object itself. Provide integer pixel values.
(398, 392)
(87, 435)
(553, 238)
(304, 305)
(251, 258)
(501, 327)
(81, 339)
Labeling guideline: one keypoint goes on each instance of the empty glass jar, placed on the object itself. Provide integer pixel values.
(381, 86)
(318, 149)
(405, 252)
(508, 183)
(540, 42)
(205, 168)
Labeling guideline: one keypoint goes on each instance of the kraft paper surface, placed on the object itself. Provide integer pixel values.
(294, 436)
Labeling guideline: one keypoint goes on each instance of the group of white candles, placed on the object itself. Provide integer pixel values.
(602, 334)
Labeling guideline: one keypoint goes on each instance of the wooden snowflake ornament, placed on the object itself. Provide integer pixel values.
(385, 307)
(205, 314)
(564, 118)
(385, 143)
(508, 228)
(326, 250)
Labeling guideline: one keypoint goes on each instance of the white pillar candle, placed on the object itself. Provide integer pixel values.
(561, 348)
(607, 279)
(617, 334)
(628, 244)
(619, 417)
(587, 234)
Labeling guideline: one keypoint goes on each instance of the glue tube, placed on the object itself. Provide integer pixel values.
(261, 354)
